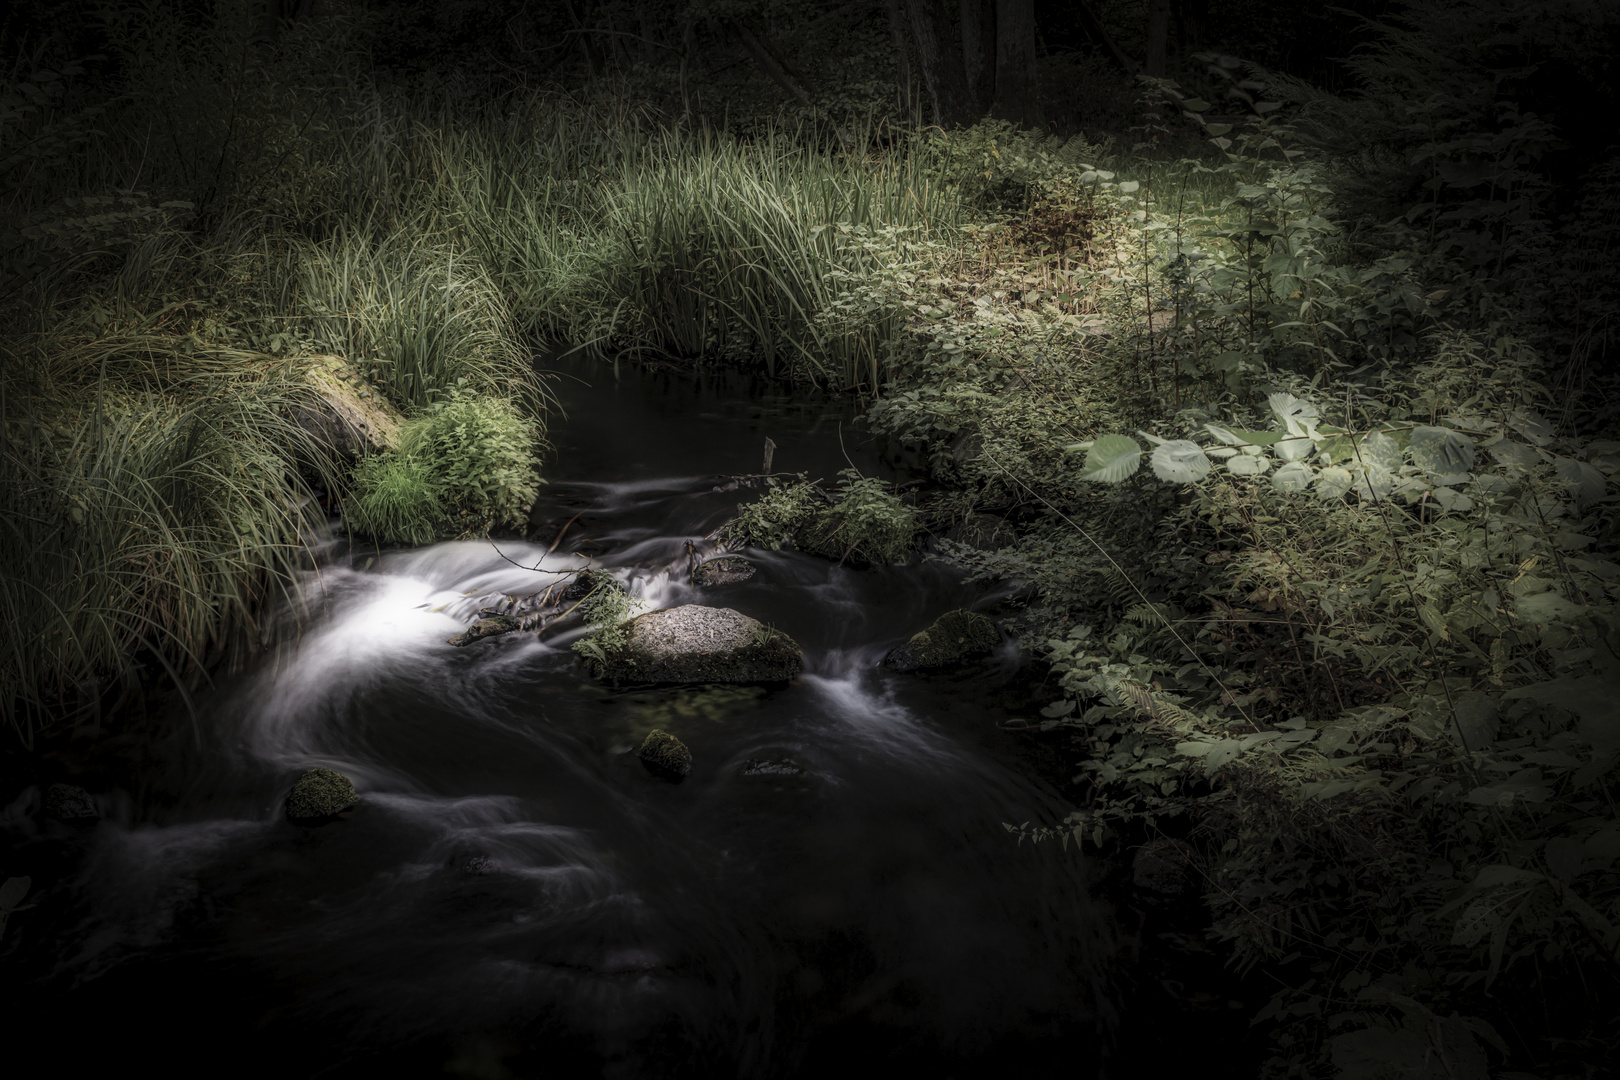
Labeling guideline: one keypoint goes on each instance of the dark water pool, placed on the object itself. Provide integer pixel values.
(830, 889)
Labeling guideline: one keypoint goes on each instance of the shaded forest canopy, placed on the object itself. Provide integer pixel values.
(1282, 336)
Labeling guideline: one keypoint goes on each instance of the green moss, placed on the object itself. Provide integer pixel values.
(955, 636)
(665, 756)
(320, 793)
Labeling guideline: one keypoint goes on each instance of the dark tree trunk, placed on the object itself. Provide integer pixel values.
(1100, 35)
(939, 54)
(978, 29)
(902, 60)
(1158, 33)
(593, 58)
(770, 61)
(1017, 98)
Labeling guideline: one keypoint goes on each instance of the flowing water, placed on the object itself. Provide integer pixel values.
(515, 895)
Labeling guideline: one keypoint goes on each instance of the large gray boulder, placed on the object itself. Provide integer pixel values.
(697, 644)
(955, 636)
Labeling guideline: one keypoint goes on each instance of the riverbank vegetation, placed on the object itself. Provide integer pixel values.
(1299, 401)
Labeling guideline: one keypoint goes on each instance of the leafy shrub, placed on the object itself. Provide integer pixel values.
(463, 467)
(998, 167)
(867, 519)
(772, 519)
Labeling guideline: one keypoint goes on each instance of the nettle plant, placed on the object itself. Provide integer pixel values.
(1385, 694)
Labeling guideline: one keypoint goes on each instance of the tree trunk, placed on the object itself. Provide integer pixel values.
(979, 52)
(902, 62)
(1017, 98)
(593, 58)
(1158, 32)
(1099, 33)
(933, 25)
(770, 61)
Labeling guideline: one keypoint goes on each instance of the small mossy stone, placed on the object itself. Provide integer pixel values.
(665, 756)
(320, 794)
(725, 570)
(69, 802)
(954, 637)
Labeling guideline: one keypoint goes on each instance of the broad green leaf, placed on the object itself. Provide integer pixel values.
(1333, 482)
(1450, 500)
(1129, 186)
(1532, 425)
(1294, 449)
(1112, 459)
(1297, 414)
(13, 891)
(1476, 716)
(1441, 451)
(1248, 465)
(1515, 454)
(1595, 699)
(1180, 461)
(1294, 476)
(1374, 482)
(1378, 451)
(1588, 484)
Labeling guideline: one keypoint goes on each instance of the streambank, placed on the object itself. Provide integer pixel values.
(829, 885)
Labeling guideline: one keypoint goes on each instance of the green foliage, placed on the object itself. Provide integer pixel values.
(607, 610)
(775, 517)
(997, 167)
(463, 467)
(867, 519)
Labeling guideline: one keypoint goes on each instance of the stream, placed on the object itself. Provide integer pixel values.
(831, 887)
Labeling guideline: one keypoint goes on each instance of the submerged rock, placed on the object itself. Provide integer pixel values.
(320, 794)
(777, 767)
(697, 644)
(954, 637)
(725, 570)
(1164, 866)
(486, 628)
(69, 802)
(665, 756)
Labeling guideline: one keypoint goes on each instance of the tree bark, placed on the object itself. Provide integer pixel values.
(902, 62)
(1099, 33)
(940, 57)
(1158, 32)
(978, 29)
(1017, 97)
(771, 63)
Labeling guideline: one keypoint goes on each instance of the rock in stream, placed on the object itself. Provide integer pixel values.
(698, 644)
(954, 637)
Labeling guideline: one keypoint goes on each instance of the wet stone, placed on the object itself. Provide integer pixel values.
(698, 644)
(665, 756)
(725, 570)
(955, 636)
(478, 866)
(69, 802)
(320, 794)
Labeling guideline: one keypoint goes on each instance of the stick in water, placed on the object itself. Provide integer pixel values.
(770, 450)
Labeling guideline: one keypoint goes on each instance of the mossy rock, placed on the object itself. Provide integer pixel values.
(665, 756)
(69, 802)
(725, 570)
(954, 637)
(320, 794)
(486, 628)
(698, 644)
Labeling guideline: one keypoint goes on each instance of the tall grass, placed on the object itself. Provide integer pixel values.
(151, 508)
